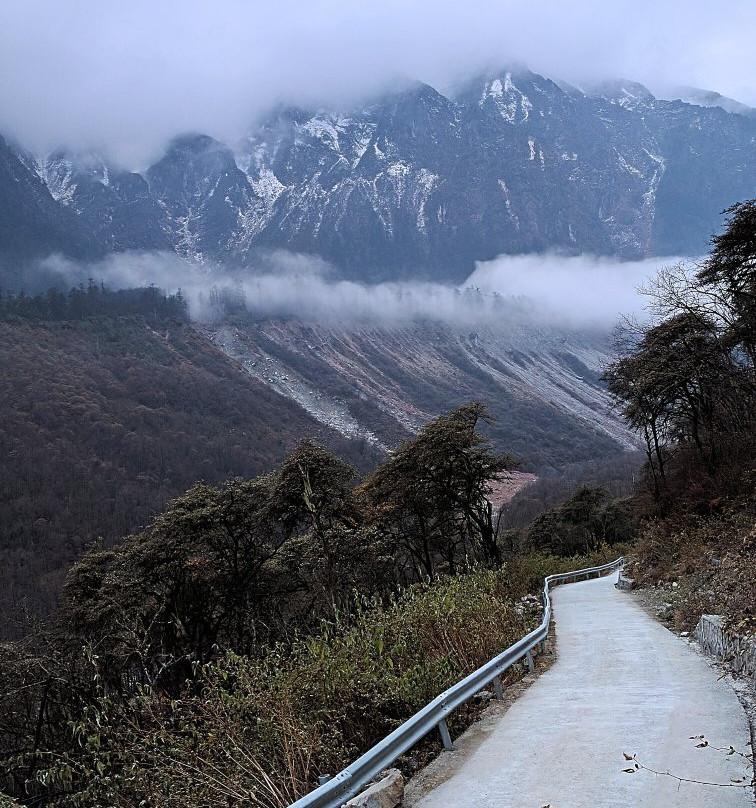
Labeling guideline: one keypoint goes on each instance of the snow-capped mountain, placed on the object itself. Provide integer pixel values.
(117, 207)
(32, 223)
(418, 184)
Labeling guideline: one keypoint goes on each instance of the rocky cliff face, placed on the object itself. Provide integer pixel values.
(418, 184)
(203, 195)
(118, 208)
(32, 223)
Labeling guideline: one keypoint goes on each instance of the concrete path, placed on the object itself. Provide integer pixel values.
(621, 683)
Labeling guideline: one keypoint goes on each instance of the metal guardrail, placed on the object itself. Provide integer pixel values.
(356, 776)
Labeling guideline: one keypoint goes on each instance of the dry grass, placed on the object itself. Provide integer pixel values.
(705, 564)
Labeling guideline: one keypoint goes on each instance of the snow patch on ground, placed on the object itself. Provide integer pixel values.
(626, 166)
(649, 197)
(324, 130)
(508, 204)
(511, 103)
(267, 186)
(426, 181)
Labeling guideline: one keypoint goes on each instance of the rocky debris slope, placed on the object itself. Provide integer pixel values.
(381, 383)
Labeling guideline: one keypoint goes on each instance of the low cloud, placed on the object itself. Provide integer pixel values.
(510, 291)
(581, 290)
(292, 285)
(125, 77)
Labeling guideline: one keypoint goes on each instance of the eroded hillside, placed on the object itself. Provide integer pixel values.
(379, 383)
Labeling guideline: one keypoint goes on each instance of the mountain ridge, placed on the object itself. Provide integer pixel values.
(418, 184)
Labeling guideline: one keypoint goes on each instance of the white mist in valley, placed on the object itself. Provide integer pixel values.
(572, 291)
(540, 290)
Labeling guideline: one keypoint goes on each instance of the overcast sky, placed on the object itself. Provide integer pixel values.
(126, 76)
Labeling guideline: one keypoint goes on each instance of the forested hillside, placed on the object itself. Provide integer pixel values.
(107, 414)
(310, 610)
(114, 403)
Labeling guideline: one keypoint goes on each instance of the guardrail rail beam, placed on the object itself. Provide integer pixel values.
(356, 776)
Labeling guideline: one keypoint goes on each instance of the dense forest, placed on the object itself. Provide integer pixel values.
(113, 405)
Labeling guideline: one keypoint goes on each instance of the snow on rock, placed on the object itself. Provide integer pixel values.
(324, 130)
(512, 105)
(267, 186)
(426, 181)
(57, 174)
(508, 204)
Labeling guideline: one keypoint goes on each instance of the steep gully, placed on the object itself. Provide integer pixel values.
(380, 383)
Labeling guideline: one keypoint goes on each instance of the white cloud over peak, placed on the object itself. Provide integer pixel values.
(128, 76)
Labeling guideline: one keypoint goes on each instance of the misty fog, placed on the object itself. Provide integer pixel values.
(124, 78)
(539, 290)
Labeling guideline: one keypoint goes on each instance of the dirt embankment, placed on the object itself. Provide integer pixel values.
(504, 491)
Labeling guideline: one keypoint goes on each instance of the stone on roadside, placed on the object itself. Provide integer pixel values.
(386, 793)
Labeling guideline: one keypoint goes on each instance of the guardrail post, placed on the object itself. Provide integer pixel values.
(323, 779)
(445, 737)
(497, 688)
(529, 660)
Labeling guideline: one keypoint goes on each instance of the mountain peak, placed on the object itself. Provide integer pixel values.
(709, 98)
(420, 184)
(625, 93)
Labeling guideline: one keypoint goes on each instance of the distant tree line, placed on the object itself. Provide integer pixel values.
(94, 300)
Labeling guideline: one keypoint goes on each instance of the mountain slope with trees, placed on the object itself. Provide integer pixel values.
(108, 413)
(114, 404)
(290, 615)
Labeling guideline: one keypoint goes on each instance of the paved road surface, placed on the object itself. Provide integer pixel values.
(621, 683)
